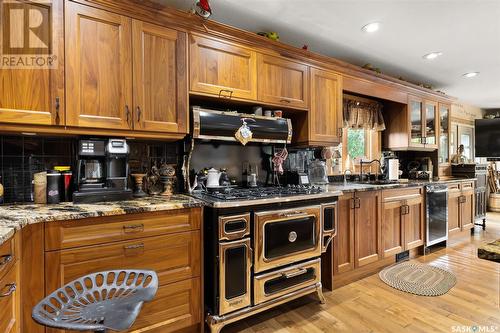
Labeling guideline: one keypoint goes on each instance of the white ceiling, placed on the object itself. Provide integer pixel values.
(466, 31)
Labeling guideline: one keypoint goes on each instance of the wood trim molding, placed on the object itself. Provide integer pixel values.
(73, 131)
(184, 21)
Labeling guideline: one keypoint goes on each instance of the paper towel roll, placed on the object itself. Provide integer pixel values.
(393, 169)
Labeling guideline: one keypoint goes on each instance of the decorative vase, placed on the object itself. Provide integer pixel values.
(138, 178)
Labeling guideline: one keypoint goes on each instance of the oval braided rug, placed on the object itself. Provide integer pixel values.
(418, 279)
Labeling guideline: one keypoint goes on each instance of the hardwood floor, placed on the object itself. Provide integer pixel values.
(371, 306)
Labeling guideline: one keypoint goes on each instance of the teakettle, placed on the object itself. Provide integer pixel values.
(213, 177)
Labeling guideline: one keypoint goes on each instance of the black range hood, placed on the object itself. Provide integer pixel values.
(222, 125)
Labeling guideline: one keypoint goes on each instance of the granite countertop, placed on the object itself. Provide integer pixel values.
(15, 217)
(353, 186)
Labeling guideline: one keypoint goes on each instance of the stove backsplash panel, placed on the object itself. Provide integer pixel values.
(22, 156)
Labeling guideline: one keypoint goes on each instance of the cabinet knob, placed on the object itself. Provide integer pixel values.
(285, 101)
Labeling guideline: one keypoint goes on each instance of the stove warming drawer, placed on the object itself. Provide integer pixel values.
(277, 283)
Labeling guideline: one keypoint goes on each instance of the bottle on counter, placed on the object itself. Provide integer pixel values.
(65, 190)
(53, 187)
(40, 184)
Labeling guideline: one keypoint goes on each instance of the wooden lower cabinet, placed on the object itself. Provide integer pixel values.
(460, 207)
(454, 194)
(392, 228)
(10, 294)
(367, 227)
(414, 227)
(343, 244)
(175, 306)
(374, 226)
(10, 301)
(174, 257)
(467, 206)
(358, 238)
(403, 221)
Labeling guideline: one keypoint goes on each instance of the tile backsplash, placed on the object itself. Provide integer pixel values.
(22, 156)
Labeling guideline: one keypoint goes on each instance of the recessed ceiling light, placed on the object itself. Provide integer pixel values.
(470, 74)
(371, 27)
(432, 55)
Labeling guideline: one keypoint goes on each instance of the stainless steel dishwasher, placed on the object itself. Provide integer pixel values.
(436, 200)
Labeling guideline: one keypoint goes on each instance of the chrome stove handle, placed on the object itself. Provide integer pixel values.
(293, 214)
(298, 272)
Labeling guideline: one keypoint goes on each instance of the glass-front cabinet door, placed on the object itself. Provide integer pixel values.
(416, 120)
(444, 133)
(431, 124)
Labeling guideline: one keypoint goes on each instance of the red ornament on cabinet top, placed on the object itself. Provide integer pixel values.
(202, 8)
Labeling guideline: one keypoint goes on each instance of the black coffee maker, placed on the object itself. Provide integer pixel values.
(102, 171)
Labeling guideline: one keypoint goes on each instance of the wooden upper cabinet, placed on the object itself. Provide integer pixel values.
(98, 68)
(325, 116)
(160, 78)
(431, 122)
(282, 81)
(36, 96)
(222, 69)
(416, 119)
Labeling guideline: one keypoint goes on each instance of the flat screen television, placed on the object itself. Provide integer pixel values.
(487, 133)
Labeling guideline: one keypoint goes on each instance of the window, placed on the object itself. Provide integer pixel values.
(360, 144)
(356, 143)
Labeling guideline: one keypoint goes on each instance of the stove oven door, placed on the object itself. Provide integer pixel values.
(234, 275)
(286, 236)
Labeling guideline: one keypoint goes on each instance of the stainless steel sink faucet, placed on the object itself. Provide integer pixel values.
(379, 171)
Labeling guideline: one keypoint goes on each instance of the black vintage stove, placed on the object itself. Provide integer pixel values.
(262, 247)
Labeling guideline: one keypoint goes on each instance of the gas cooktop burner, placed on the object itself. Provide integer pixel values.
(262, 192)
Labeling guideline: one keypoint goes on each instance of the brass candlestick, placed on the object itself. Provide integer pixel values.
(138, 178)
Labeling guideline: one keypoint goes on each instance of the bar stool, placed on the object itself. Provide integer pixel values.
(98, 302)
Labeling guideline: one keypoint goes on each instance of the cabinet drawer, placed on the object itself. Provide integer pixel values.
(100, 230)
(175, 306)
(10, 301)
(401, 194)
(467, 186)
(174, 257)
(453, 188)
(7, 256)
